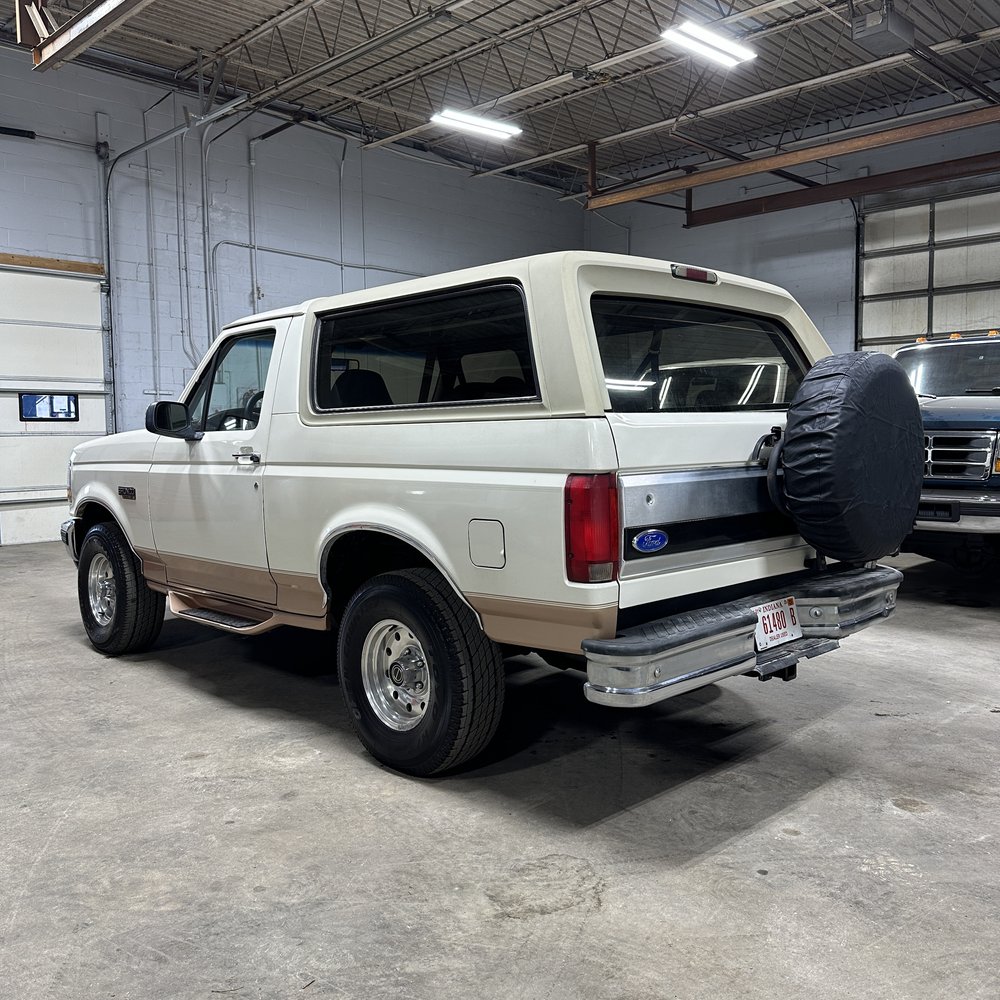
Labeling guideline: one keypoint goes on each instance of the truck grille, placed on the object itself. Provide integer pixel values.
(959, 454)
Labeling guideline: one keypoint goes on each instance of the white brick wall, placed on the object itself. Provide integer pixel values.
(399, 213)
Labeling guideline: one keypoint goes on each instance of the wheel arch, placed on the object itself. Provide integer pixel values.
(357, 552)
(97, 502)
(93, 511)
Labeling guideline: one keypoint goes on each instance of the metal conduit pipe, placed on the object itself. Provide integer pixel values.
(206, 237)
(342, 264)
(154, 324)
(340, 205)
(184, 270)
(252, 224)
(620, 225)
(106, 234)
(108, 319)
(252, 199)
(211, 286)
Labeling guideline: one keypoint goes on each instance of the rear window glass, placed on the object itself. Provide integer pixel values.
(460, 347)
(667, 356)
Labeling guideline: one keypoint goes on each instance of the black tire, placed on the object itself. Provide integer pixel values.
(853, 457)
(457, 666)
(131, 620)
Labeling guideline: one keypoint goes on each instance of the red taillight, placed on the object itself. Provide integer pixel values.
(592, 528)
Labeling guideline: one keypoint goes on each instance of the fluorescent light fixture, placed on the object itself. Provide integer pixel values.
(708, 43)
(473, 123)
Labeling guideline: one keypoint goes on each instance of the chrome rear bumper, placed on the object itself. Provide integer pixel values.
(669, 656)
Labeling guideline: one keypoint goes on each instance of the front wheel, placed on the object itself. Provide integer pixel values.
(120, 613)
(424, 686)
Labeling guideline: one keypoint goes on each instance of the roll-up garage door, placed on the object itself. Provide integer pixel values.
(52, 392)
(930, 270)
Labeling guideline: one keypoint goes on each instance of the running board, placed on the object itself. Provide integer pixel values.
(229, 623)
(237, 619)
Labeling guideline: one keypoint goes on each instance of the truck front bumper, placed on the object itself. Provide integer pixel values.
(67, 532)
(667, 657)
(964, 511)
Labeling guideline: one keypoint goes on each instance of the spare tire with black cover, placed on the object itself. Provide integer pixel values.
(853, 456)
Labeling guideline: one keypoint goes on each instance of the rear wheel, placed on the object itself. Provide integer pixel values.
(424, 686)
(120, 613)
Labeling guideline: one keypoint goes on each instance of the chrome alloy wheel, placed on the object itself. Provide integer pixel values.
(101, 589)
(395, 674)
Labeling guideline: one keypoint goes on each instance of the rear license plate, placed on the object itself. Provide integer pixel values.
(777, 623)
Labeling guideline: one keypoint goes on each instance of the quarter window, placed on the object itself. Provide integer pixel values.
(461, 347)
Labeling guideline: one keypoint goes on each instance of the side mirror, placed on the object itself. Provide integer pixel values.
(170, 419)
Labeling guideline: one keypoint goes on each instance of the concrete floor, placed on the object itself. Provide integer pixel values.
(200, 821)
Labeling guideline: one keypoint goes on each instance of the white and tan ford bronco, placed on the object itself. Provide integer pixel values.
(647, 471)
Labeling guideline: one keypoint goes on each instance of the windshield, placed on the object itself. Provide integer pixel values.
(953, 368)
(664, 356)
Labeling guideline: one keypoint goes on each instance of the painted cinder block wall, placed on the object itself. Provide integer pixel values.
(386, 214)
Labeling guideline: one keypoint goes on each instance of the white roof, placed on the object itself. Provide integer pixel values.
(518, 268)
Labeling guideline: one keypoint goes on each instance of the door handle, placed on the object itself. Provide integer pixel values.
(254, 459)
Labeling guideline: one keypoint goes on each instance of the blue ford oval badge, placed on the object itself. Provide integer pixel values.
(650, 541)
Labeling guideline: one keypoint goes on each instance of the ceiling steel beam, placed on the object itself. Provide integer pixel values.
(969, 166)
(504, 37)
(262, 98)
(262, 29)
(823, 151)
(970, 83)
(82, 30)
(829, 79)
(597, 67)
(731, 154)
(355, 52)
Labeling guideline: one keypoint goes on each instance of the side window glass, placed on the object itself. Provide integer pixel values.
(454, 347)
(230, 392)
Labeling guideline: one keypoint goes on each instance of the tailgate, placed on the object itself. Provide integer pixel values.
(718, 522)
(693, 388)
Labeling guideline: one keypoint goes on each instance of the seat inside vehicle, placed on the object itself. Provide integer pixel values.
(358, 387)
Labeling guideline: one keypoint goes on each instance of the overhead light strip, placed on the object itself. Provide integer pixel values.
(710, 44)
(476, 124)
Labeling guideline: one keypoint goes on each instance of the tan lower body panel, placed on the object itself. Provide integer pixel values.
(242, 582)
(301, 599)
(537, 625)
(300, 593)
(152, 567)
